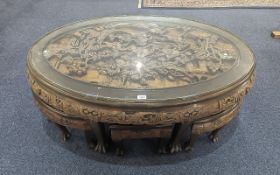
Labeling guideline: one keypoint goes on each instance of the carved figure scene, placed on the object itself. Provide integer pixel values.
(141, 55)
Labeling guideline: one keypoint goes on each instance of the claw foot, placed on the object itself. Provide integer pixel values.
(175, 147)
(91, 145)
(188, 148)
(100, 147)
(66, 136)
(213, 138)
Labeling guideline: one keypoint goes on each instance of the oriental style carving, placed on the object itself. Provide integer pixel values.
(135, 72)
(186, 114)
(141, 55)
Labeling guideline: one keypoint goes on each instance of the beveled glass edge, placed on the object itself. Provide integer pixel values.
(97, 93)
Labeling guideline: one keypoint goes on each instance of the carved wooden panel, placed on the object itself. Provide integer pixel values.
(137, 54)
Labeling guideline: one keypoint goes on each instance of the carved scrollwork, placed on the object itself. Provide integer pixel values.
(235, 98)
(90, 112)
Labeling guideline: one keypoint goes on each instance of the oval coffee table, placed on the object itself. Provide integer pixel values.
(137, 77)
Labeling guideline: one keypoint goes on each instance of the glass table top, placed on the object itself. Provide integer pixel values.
(130, 56)
(139, 54)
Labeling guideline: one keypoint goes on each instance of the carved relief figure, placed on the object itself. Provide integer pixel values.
(141, 55)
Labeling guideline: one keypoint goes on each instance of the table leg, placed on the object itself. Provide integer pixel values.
(178, 130)
(119, 148)
(99, 132)
(190, 143)
(213, 136)
(88, 136)
(65, 133)
(162, 146)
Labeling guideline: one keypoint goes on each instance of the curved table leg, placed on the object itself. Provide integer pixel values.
(65, 133)
(99, 132)
(175, 144)
(213, 136)
(190, 143)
